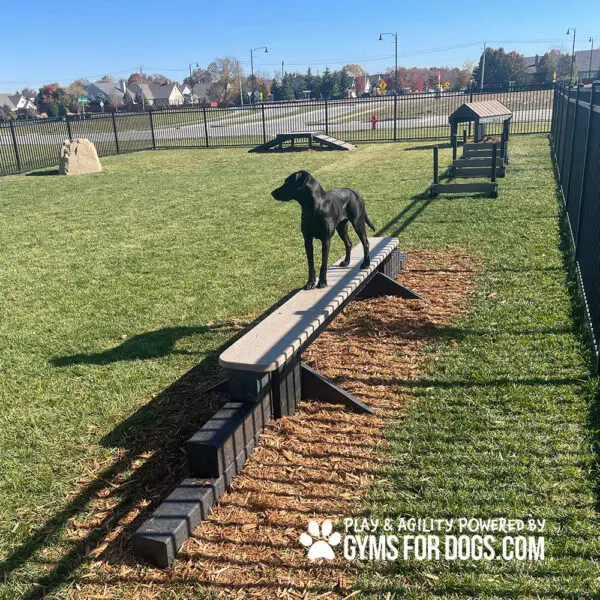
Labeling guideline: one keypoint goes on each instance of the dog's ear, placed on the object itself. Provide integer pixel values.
(302, 178)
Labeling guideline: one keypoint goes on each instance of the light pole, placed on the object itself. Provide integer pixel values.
(190, 65)
(252, 50)
(591, 41)
(574, 31)
(396, 56)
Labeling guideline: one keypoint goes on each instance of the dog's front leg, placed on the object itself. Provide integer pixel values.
(324, 260)
(308, 247)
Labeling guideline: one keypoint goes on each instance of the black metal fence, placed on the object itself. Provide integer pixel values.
(576, 150)
(28, 145)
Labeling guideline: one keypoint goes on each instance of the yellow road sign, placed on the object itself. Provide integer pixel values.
(447, 85)
(382, 85)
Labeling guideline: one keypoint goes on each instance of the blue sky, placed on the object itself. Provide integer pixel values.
(45, 43)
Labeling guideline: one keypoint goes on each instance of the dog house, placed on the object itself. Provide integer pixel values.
(480, 113)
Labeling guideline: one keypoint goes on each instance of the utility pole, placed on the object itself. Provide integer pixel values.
(191, 80)
(591, 40)
(396, 56)
(483, 66)
(574, 31)
(142, 89)
(240, 83)
(282, 71)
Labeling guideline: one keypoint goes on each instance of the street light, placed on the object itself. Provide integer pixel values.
(396, 61)
(190, 65)
(252, 50)
(574, 31)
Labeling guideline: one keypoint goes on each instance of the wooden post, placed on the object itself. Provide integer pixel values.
(454, 144)
(494, 161)
(436, 177)
(464, 136)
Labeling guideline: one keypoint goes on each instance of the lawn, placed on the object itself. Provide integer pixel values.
(116, 284)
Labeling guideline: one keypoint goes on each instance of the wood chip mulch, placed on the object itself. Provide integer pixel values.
(315, 465)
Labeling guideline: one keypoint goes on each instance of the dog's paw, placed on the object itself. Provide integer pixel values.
(322, 283)
(310, 284)
(345, 263)
(365, 264)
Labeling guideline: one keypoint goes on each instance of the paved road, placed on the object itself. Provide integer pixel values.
(250, 124)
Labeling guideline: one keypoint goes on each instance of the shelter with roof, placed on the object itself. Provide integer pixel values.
(480, 113)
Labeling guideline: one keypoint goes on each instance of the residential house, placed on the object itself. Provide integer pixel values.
(585, 68)
(157, 94)
(112, 92)
(16, 102)
(200, 93)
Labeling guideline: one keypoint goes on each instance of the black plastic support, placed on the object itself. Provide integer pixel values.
(382, 285)
(315, 385)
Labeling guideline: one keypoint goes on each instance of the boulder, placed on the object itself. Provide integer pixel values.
(78, 157)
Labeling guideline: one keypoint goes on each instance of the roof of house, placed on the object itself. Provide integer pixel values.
(10, 100)
(582, 60)
(488, 111)
(200, 90)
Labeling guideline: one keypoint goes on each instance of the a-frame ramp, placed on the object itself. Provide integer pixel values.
(314, 138)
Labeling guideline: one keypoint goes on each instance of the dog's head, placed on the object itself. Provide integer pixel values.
(294, 187)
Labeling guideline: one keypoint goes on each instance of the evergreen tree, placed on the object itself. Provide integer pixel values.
(276, 90)
(288, 86)
(327, 83)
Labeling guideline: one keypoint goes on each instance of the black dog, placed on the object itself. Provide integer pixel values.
(322, 214)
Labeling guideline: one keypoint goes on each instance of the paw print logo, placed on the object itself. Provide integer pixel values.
(320, 548)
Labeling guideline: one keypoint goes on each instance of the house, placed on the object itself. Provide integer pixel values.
(16, 102)
(157, 94)
(582, 62)
(200, 93)
(112, 92)
(585, 68)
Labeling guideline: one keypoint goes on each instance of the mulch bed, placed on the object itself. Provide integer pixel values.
(315, 465)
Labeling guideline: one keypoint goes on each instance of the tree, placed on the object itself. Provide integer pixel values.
(28, 92)
(345, 81)
(354, 70)
(50, 99)
(311, 83)
(552, 62)
(105, 79)
(6, 112)
(327, 83)
(198, 75)
(288, 86)
(500, 68)
(224, 74)
(276, 90)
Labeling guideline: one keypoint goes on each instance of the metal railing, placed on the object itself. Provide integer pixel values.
(29, 145)
(575, 140)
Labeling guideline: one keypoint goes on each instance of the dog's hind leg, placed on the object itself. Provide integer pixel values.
(308, 246)
(342, 230)
(324, 260)
(361, 230)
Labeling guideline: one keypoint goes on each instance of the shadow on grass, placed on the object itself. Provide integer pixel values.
(42, 173)
(152, 344)
(150, 463)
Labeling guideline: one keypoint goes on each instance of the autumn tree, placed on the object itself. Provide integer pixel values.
(224, 74)
(51, 100)
(198, 75)
(552, 62)
(354, 70)
(105, 79)
(500, 68)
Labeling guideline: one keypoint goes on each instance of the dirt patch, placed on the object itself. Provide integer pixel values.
(315, 465)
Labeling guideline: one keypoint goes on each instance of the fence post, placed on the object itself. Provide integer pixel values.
(586, 158)
(326, 118)
(114, 122)
(572, 157)
(264, 124)
(152, 129)
(436, 174)
(395, 115)
(205, 126)
(15, 145)
(69, 127)
(565, 115)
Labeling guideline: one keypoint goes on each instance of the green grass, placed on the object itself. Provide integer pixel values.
(115, 284)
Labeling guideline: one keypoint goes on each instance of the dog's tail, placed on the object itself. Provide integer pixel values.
(368, 222)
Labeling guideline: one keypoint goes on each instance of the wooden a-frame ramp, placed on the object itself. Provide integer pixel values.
(314, 138)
